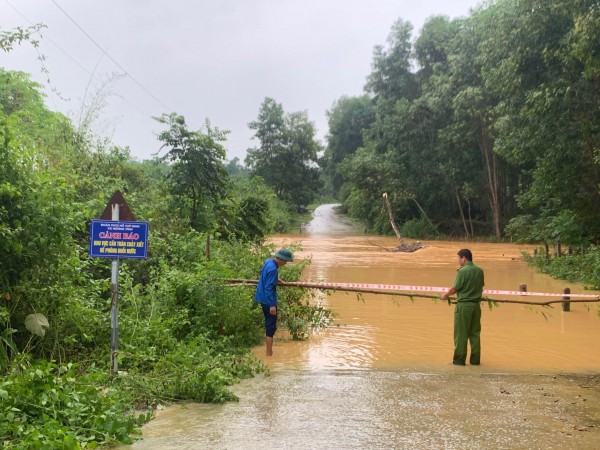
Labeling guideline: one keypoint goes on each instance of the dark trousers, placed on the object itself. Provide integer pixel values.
(270, 321)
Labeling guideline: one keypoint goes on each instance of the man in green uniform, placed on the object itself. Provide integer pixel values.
(467, 315)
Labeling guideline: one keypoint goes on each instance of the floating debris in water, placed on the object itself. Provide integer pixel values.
(409, 247)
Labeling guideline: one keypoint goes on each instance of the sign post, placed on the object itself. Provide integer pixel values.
(117, 239)
(114, 304)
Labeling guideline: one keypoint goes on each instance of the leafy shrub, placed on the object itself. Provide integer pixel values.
(580, 268)
(547, 228)
(419, 229)
(50, 406)
(200, 369)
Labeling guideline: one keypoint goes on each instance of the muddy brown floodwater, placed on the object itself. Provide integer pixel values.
(380, 378)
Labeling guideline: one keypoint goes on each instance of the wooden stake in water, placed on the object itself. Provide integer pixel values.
(566, 306)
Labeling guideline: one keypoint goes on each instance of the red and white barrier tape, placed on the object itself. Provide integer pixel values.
(399, 287)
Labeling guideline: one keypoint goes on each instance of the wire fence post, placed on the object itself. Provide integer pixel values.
(566, 306)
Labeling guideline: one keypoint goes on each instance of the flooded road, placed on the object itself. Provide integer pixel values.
(381, 378)
(386, 332)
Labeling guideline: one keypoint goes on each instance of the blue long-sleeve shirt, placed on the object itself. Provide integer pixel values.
(266, 292)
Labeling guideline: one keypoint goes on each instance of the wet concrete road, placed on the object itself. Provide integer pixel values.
(381, 410)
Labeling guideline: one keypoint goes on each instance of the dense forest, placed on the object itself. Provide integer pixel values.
(487, 125)
(480, 127)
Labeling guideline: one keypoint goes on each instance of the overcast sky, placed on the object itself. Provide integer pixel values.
(204, 59)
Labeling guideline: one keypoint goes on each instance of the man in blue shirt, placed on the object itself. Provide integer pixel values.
(266, 292)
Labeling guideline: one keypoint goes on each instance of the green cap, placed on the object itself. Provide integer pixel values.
(284, 254)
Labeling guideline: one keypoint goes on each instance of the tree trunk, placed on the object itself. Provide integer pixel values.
(391, 217)
(462, 215)
(491, 169)
(194, 211)
(423, 212)
(470, 218)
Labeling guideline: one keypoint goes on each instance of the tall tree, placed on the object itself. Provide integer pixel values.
(349, 118)
(198, 177)
(29, 134)
(391, 78)
(402, 136)
(473, 111)
(455, 164)
(288, 153)
(434, 46)
(547, 124)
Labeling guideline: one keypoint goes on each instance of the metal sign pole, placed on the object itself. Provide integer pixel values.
(114, 305)
(117, 235)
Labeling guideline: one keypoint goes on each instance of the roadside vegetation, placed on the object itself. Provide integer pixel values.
(184, 334)
(578, 266)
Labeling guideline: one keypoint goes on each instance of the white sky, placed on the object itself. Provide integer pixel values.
(215, 59)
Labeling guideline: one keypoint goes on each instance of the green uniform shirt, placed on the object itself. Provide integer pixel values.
(469, 283)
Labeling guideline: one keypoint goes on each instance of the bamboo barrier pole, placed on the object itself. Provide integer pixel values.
(242, 282)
